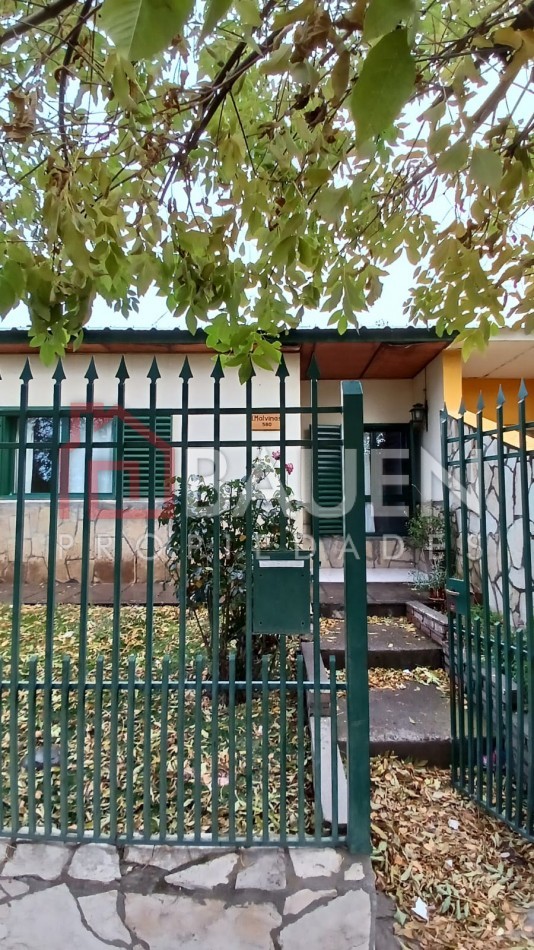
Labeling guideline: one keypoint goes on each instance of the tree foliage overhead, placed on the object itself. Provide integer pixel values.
(249, 160)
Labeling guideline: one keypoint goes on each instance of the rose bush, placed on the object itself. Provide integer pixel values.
(272, 507)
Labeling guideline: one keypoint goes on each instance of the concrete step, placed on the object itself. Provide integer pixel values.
(383, 599)
(413, 723)
(391, 646)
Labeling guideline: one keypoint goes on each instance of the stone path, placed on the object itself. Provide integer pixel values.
(58, 897)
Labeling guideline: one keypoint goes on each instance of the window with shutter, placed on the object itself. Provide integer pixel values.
(329, 493)
(387, 478)
(138, 439)
(8, 428)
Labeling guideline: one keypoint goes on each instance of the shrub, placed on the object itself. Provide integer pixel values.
(204, 504)
(427, 530)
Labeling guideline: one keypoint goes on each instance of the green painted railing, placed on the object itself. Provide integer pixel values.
(489, 520)
(131, 732)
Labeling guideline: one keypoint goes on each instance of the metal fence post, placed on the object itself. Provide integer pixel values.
(359, 792)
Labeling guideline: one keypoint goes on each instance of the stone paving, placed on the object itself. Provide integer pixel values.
(85, 897)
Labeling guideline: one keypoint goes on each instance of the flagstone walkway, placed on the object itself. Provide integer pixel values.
(59, 897)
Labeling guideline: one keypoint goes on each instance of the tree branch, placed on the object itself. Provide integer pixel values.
(36, 19)
(72, 42)
(221, 87)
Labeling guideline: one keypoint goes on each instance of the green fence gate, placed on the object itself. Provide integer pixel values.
(189, 716)
(489, 515)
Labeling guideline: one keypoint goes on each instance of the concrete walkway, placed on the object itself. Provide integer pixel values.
(383, 583)
(61, 897)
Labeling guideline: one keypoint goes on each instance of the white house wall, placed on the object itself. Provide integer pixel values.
(431, 485)
(385, 401)
(265, 391)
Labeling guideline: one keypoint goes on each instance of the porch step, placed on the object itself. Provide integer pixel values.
(391, 646)
(383, 599)
(413, 723)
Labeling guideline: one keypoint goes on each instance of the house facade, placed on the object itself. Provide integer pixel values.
(404, 374)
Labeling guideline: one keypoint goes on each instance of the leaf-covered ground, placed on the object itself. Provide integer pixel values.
(474, 876)
(179, 778)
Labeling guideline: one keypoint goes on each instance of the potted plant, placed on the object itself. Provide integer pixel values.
(432, 581)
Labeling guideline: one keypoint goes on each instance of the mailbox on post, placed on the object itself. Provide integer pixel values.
(281, 592)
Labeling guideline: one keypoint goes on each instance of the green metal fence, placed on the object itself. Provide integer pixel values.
(152, 723)
(489, 485)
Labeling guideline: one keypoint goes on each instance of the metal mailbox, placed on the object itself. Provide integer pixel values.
(281, 592)
(457, 594)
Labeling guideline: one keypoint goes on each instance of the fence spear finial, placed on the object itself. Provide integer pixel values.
(154, 373)
(313, 369)
(217, 372)
(91, 373)
(26, 374)
(523, 391)
(122, 373)
(186, 373)
(282, 372)
(59, 373)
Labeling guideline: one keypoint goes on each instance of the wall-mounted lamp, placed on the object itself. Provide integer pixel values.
(419, 414)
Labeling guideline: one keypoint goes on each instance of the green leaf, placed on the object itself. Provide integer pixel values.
(306, 253)
(48, 352)
(384, 85)
(439, 139)
(454, 158)
(278, 62)
(142, 28)
(510, 183)
(8, 297)
(284, 252)
(301, 12)
(121, 88)
(383, 16)
(486, 167)
(216, 10)
(331, 202)
(317, 176)
(245, 370)
(15, 275)
(191, 322)
(248, 12)
(354, 294)
(75, 245)
(340, 74)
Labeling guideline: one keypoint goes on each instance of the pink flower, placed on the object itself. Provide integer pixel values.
(276, 455)
(289, 467)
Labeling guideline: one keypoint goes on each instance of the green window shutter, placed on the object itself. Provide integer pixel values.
(7, 472)
(137, 443)
(329, 491)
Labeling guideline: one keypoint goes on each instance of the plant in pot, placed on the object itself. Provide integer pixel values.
(433, 582)
(229, 505)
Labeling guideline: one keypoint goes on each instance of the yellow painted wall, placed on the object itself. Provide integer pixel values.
(473, 386)
(452, 378)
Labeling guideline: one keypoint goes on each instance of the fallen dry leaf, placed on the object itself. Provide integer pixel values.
(477, 879)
